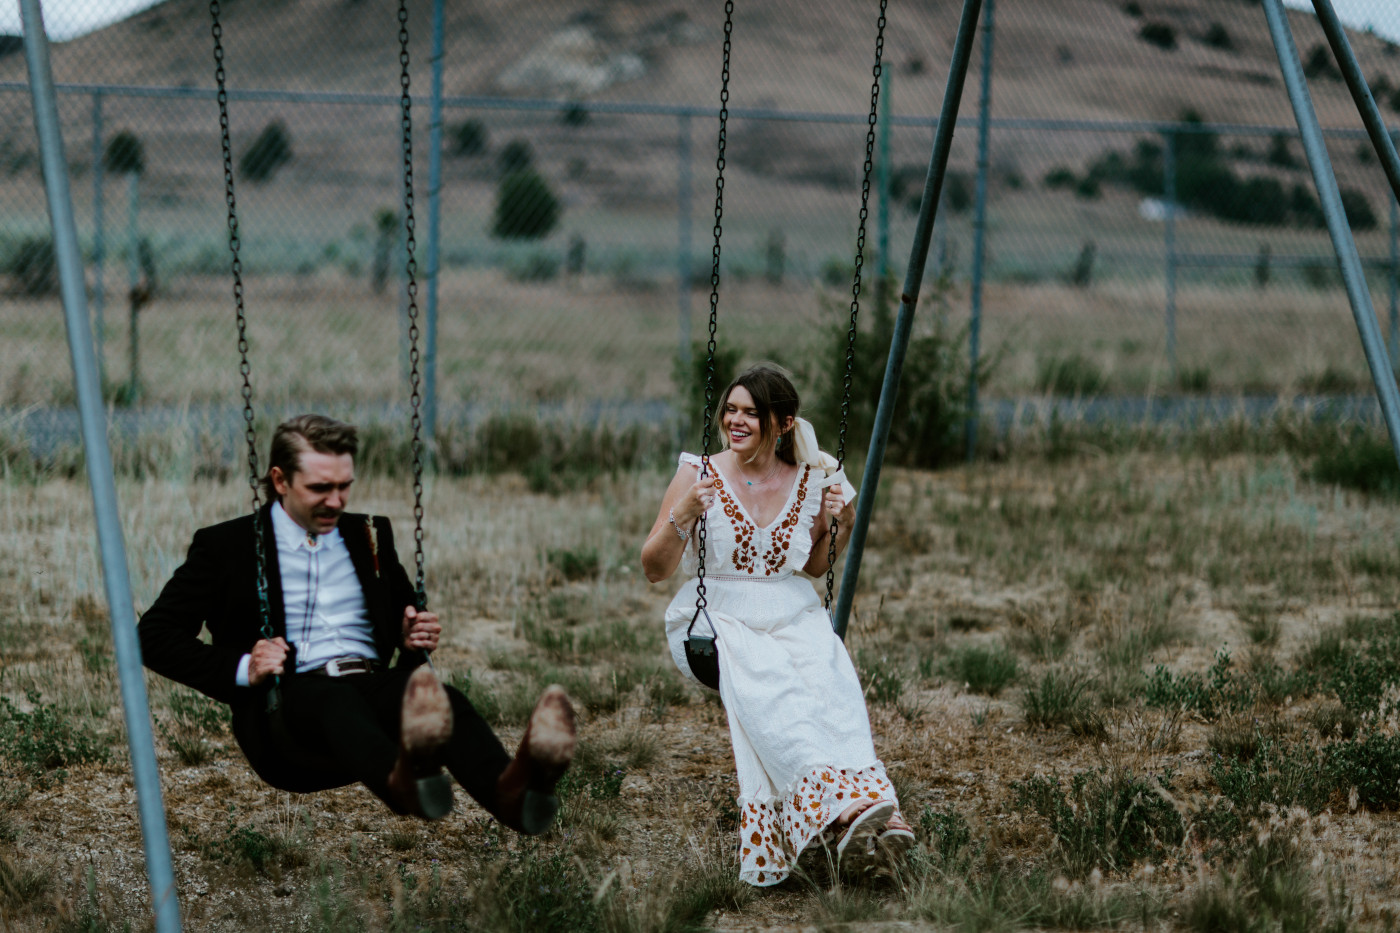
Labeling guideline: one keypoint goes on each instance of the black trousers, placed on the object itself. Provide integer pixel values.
(353, 722)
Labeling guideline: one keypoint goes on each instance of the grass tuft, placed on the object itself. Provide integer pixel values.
(985, 669)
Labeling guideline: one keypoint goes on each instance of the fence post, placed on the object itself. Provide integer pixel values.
(401, 275)
(882, 179)
(99, 246)
(430, 306)
(1169, 232)
(979, 225)
(145, 774)
(683, 199)
(1353, 275)
(133, 274)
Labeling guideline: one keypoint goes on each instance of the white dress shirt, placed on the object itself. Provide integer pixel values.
(323, 601)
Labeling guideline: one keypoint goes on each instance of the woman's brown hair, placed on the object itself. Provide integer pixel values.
(774, 397)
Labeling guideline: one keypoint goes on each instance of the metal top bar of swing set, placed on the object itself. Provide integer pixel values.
(145, 772)
(1329, 196)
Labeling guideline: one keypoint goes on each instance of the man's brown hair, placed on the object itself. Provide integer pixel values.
(306, 432)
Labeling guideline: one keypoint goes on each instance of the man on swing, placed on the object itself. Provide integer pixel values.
(316, 701)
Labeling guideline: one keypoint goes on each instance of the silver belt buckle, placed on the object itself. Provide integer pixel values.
(333, 667)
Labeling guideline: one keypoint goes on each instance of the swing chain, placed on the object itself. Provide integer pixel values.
(244, 368)
(700, 601)
(855, 283)
(410, 243)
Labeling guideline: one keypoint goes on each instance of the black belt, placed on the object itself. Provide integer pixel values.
(339, 667)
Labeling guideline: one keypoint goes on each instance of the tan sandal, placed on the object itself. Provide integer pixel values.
(858, 851)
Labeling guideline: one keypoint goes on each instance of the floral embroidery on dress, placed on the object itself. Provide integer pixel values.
(810, 805)
(746, 535)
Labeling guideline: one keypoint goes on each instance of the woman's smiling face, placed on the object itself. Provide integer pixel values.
(742, 427)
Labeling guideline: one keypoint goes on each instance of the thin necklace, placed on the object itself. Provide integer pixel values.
(760, 482)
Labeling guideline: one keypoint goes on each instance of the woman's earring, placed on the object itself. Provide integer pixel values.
(779, 444)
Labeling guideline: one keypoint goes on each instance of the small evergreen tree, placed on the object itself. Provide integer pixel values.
(515, 156)
(526, 208)
(124, 154)
(469, 138)
(269, 152)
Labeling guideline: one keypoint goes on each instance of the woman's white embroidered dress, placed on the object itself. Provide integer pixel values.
(797, 715)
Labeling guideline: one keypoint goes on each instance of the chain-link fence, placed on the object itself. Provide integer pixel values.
(1151, 226)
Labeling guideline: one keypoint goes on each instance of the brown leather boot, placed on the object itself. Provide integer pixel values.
(417, 785)
(526, 800)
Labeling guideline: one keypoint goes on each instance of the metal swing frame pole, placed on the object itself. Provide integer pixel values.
(1353, 275)
(908, 302)
(1360, 91)
(145, 773)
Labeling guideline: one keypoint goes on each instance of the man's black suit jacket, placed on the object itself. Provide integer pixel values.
(217, 587)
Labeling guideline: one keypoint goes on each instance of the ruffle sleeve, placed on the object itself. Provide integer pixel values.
(809, 507)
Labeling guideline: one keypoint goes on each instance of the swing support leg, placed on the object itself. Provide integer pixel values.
(1360, 92)
(1353, 276)
(908, 301)
(145, 773)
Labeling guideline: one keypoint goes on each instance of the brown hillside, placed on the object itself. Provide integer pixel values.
(1070, 59)
(1064, 59)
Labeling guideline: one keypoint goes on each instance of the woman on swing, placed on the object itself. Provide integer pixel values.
(797, 719)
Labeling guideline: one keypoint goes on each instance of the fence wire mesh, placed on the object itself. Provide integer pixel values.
(576, 162)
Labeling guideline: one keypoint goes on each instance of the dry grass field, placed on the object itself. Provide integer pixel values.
(1116, 690)
(1125, 677)
(504, 343)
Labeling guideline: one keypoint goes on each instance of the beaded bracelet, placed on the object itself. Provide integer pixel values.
(680, 532)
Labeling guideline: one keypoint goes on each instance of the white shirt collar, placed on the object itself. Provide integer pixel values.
(291, 536)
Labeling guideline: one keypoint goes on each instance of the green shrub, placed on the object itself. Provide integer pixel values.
(928, 424)
(1280, 151)
(574, 563)
(957, 191)
(43, 741)
(507, 441)
(1059, 177)
(985, 669)
(1320, 64)
(1158, 33)
(1364, 461)
(124, 154)
(1260, 201)
(1105, 819)
(526, 208)
(469, 138)
(1305, 208)
(690, 382)
(1219, 692)
(534, 267)
(884, 679)
(1357, 207)
(1073, 375)
(1277, 775)
(947, 833)
(1063, 698)
(32, 266)
(1370, 765)
(575, 114)
(515, 156)
(1218, 37)
(270, 151)
(483, 700)
(1266, 885)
